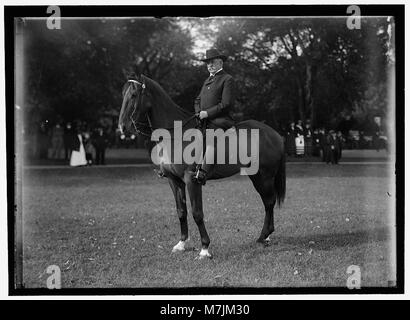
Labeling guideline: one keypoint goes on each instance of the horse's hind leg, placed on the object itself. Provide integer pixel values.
(268, 225)
(265, 188)
(178, 189)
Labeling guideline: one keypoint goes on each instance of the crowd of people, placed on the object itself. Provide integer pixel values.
(56, 140)
(78, 144)
(302, 140)
(81, 144)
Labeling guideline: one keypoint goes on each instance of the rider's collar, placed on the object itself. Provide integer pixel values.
(213, 74)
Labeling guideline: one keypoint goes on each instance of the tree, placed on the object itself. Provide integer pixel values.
(77, 72)
(315, 68)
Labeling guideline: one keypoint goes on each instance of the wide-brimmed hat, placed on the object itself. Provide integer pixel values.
(213, 54)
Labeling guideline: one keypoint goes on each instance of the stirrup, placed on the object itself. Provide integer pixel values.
(200, 176)
(160, 173)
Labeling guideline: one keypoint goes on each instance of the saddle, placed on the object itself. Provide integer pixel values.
(225, 124)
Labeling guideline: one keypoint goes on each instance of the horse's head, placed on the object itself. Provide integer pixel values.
(133, 109)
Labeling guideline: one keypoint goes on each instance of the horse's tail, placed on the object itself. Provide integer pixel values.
(280, 181)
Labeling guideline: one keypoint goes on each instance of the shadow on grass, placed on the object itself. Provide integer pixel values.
(326, 242)
(334, 240)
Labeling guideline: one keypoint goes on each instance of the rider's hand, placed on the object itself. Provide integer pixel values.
(203, 115)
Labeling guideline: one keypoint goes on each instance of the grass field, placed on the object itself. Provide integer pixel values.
(115, 227)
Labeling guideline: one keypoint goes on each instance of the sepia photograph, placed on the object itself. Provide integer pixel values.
(240, 151)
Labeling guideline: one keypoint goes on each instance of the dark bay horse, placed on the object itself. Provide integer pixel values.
(146, 107)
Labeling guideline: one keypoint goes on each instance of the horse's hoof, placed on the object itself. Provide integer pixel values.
(179, 247)
(205, 254)
(263, 242)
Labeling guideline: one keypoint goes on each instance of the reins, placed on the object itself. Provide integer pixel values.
(139, 125)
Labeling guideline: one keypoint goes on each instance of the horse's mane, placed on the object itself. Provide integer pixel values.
(161, 95)
(163, 109)
(125, 87)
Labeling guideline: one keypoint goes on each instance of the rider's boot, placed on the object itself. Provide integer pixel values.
(160, 172)
(200, 175)
(203, 169)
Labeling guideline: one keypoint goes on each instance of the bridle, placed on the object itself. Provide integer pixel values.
(139, 125)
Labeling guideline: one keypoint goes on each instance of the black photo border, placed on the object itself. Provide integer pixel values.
(12, 12)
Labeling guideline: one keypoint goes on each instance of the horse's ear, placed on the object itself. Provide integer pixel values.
(134, 72)
(136, 68)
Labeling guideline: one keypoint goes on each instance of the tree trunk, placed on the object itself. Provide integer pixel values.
(301, 98)
(308, 89)
(313, 115)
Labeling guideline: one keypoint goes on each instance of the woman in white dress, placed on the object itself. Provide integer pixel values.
(300, 139)
(78, 154)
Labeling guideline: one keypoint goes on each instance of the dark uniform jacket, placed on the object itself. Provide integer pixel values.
(70, 139)
(333, 149)
(322, 140)
(330, 141)
(307, 132)
(217, 97)
(100, 141)
(76, 143)
(299, 130)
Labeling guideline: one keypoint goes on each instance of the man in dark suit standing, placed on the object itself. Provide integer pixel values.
(69, 140)
(216, 99)
(100, 142)
(322, 144)
(333, 148)
(308, 134)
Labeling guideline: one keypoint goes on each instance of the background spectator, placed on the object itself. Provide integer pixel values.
(57, 142)
(100, 142)
(322, 143)
(332, 146)
(69, 140)
(290, 140)
(299, 140)
(316, 143)
(341, 142)
(308, 136)
(43, 141)
(78, 157)
(89, 148)
(377, 131)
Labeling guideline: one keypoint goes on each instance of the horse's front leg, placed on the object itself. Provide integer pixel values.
(195, 195)
(178, 189)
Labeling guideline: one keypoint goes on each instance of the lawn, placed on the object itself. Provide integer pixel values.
(115, 228)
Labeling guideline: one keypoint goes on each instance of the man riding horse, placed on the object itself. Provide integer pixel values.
(146, 107)
(216, 99)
